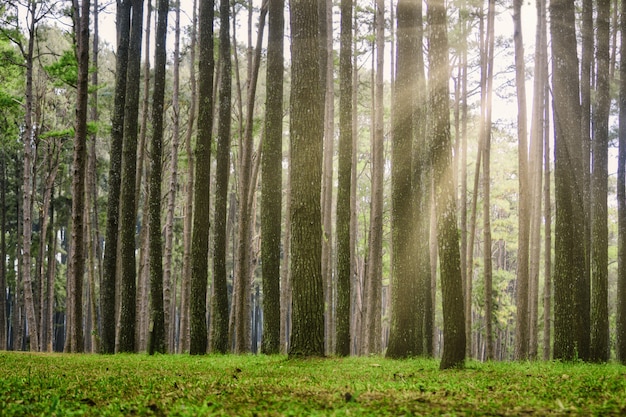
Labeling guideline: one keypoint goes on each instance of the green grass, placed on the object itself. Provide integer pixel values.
(65, 385)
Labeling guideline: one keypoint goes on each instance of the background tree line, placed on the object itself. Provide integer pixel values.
(328, 178)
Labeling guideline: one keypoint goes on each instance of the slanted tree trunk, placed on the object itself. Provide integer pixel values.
(600, 348)
(271, 186)
(447, 234)
(200, 234)
(219, 305)
(344, 187)
(307, 337)
(245, 215)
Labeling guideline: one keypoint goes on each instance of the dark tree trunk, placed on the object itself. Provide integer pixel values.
(271, 192)
(307, 337)
(447, 233)
(128, 193)
(569, 271)
(219, 312)
(344, 268)
(107, 291)
(600, 350)
(404, 319)
(156, 342)
(621, 200)
(200, 233)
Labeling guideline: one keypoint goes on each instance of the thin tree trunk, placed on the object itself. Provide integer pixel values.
(375, 257)
(536, 177)
(600, 348)
(271, 192)
(522, 290)
(169, 299)
(621, 200)
(219, 304)
(185, 286)
(344, 187)
(3, 253)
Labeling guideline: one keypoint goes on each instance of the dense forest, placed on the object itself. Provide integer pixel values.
(314, 178)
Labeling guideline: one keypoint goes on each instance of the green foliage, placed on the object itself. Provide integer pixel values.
(273, 385)
(64, 71)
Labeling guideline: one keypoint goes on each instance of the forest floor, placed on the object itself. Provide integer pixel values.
(183, 385)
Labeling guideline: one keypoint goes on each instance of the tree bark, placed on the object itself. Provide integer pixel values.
(522, 315)
(621, 200)
(600, 349)
(107, 291)
(219, 312)
(200, 233)
(307, 337)
(447, 235)
(271, 191)
(185, 286)
(403, 332)
(569, 248)
(344, 187)
(128, 192)
(156, 341)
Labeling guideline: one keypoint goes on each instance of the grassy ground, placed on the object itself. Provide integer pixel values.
(39, 384)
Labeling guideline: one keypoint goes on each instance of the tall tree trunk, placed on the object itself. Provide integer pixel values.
(185, 286)
(486, 133)
(169, 299)
(569, 248)
(156, 342)
(327, 50)
(621, 200)
(127, 194)
(586, 77)
(373, 281)
(107, 290)
(219, 311)
(77, 260)
(403, 332)
(28, 138)
(200, 234)
(3, 253)
(344, 187)
(600, 349)
(307, 337)
(522, 320)
(142, 187)
(463, 17)
(447, 234)
(271, 191)
(246, 216)
(537, 132)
